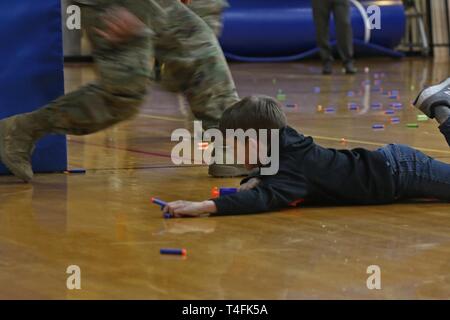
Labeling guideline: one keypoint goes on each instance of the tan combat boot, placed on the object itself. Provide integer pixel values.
(226, 170)
(18, 135)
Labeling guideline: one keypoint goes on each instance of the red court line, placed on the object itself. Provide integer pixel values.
(147, 153)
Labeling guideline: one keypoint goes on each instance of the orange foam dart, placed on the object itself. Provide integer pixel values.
(203, 145)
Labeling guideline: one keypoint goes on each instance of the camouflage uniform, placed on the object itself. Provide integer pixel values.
(192, 61)
(181, 38)
(211, 12)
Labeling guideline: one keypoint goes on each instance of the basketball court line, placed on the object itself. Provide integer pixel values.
(371, 143)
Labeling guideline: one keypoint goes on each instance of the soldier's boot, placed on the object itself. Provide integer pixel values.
(227, 170)
(82, 112)
(18, 135)
(224, 169)
(124, 72)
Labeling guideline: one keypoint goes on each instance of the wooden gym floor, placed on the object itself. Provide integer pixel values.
(104, 223)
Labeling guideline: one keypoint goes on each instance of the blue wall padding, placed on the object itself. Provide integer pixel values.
(277, 30)
(31, 69)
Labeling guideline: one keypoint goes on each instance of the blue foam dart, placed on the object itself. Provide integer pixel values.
(396, 105)
(330, 110)
(177, 252)
(376, 89)
(395, 120)
(376, 105)
(162, 204)
(227, 191)
(168, 216)
(353, 106)
(159, 202)
(389, 112)
(378, 126)
(77, 171)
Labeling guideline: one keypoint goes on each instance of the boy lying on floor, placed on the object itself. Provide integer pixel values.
(310, 173)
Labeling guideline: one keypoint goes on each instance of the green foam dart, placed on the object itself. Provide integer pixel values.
(281, 96)
(412, 125)
(422, 117)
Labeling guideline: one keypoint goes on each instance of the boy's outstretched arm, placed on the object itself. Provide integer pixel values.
(273, 193)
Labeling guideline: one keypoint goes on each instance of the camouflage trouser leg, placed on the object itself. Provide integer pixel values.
(122, 83)
(211, 12)
(193, 64)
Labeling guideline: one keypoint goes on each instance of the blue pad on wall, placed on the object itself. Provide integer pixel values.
(31, 69)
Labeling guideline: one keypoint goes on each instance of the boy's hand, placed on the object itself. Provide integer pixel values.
(120, 25)
(250, 184)
(188, 209)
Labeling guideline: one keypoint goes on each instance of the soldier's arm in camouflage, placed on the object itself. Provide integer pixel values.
(121, 25)
(211, 12)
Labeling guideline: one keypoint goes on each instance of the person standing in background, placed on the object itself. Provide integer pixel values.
(322, 10)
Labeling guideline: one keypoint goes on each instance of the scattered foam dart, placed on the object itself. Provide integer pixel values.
(395, 120)
(76, 171)
(422, 117)
(397, 105)
(376, 106)
(319, 108)
(389, 112)
(176, 252)
(378, 127)
(353, 106)
(316, 89)
(377, 82)
(412, 125)
(281, 96)
(394, 94)
(330, 110)
(292, 105)
(376, 89)
(350, 94)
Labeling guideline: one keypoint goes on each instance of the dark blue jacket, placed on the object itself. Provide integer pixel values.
(312, 174)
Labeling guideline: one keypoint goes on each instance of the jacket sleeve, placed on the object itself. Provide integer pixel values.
(274, 193)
